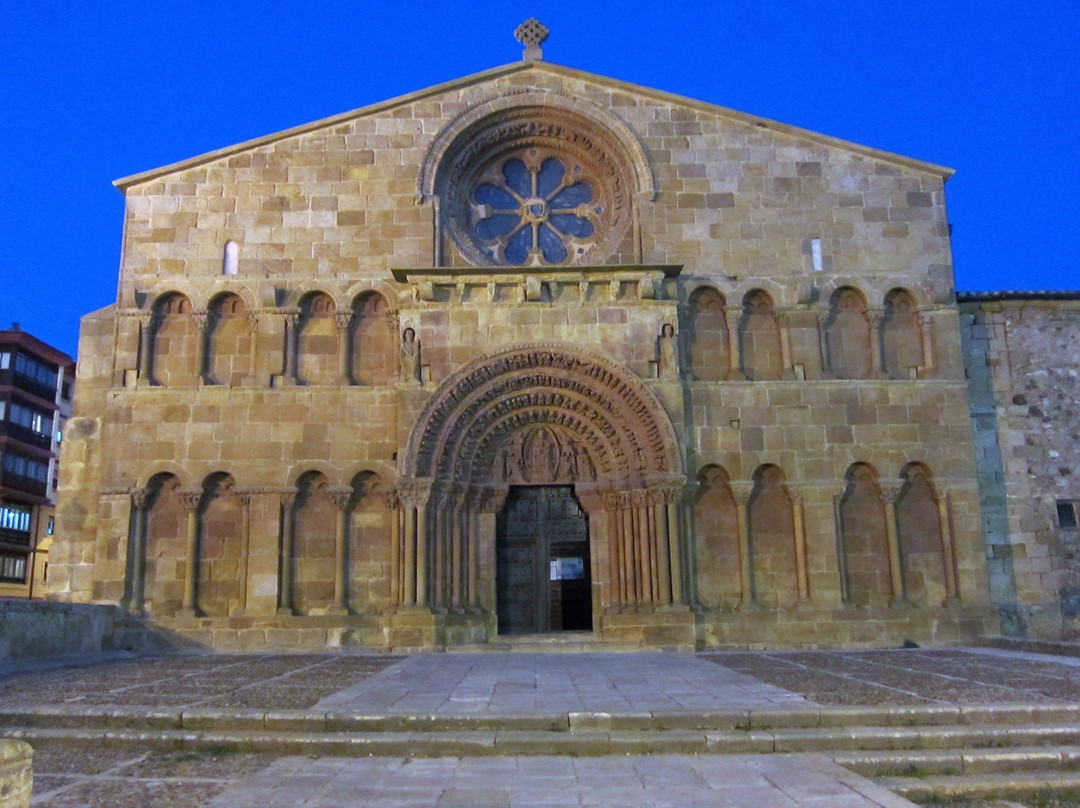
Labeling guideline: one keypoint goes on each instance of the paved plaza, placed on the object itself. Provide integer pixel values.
(492, 686)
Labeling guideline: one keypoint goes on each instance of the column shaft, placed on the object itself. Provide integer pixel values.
(800, 549)
(893, 539)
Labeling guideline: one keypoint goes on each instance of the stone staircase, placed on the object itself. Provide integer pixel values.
(921, 752)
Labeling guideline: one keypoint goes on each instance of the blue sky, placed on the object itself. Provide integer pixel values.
(93, 91)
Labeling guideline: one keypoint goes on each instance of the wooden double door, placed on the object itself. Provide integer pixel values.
(543, 575)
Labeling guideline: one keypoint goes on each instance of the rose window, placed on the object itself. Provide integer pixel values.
(534, 212)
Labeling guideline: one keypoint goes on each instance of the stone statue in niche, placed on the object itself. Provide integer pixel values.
(410, 357)
(669, 356)
(568, 462)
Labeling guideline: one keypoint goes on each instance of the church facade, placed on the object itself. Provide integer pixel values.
(534, 352)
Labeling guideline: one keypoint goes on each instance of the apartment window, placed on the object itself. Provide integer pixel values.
(38, 371)
(1066, 514)
(13, 567)
(15, 517)
(50, 526)
(26, 467)
(5, 360)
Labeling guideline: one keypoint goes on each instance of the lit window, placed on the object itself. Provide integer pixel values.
(50, 526)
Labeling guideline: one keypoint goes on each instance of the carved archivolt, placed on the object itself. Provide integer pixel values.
(543, 413)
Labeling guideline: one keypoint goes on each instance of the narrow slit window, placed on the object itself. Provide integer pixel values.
(1066, 514)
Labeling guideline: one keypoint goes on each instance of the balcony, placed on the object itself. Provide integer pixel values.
(18, 482)
(17, 538)
(31, 386)
(24, 435)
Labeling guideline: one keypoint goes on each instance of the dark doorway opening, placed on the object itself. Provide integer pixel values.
(543, 576)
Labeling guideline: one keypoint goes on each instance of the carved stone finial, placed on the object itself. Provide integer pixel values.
(532, 34)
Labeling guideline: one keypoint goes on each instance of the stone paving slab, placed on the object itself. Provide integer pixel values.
(656, 781)
(521, 684)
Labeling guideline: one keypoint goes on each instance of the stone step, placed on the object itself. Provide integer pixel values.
(584, 739)
(959, 721)
(917, 763)
(1008, 785)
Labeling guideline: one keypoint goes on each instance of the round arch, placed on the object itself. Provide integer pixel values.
(614, 416)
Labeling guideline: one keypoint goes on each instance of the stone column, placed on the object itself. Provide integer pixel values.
(253, 351)
(140, 502)
(633, 585)
(616, 570)
(646, 566)
(422, 542)
(667, 559)
(343, 319)
(926, 332)
(873, 322)
(823, 342)
(679, 592)
(288, 504)
(889, 495)
(189, 501)
(393, 507)
(457, 554)
(948, 554)
(199, 319)
(408, 595)
(799, 526)
(146, 347)
(741, 493)
(841, 555)
(245, 547)
(733, 316)
(340, 497)
(292, 320)
(783, 319)
(439, 505)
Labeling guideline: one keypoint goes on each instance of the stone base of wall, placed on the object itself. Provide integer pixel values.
(35, 629)
(16, 773)
(673, 628)
(418, 629)
(847, 627)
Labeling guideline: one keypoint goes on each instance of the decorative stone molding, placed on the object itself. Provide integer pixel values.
(572, 397)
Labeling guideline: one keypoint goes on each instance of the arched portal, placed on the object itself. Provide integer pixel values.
(551, 416)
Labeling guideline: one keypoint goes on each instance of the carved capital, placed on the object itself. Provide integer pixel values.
(340, 496)
(288, 499)
(252, 321)
(139, 498)
(741, 492)
(889, 494)
(342, 320)
(189, 500)
(146, 319)
(291, 320)
(199, 319)
(414, 493)
(393, 320)
(874, 317)
(939, 494)
(391, 499)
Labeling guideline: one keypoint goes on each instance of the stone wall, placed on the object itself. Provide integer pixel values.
(1023, 355)
(806, 283)
(40, 629)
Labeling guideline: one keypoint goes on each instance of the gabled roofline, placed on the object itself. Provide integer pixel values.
(714, 109)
